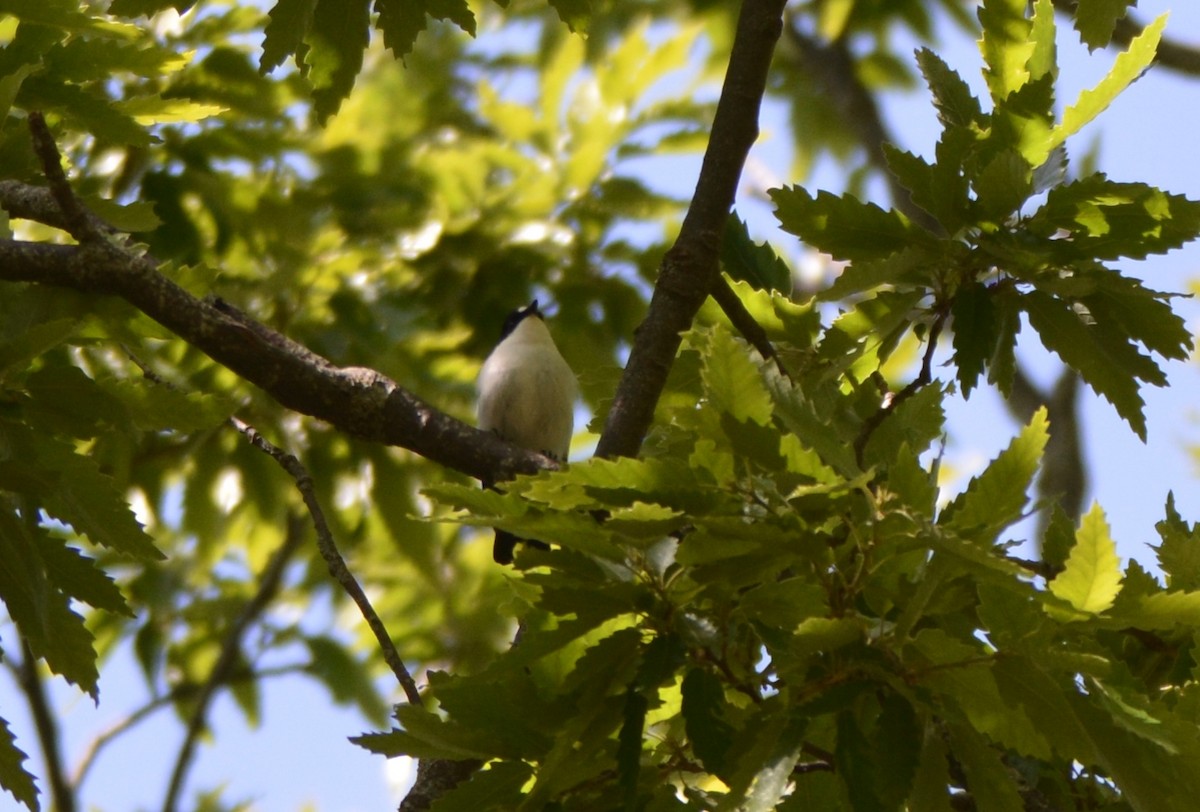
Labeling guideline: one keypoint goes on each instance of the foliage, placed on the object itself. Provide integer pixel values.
(775, 606)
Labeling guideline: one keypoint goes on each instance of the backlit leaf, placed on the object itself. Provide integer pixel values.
(1091, 578)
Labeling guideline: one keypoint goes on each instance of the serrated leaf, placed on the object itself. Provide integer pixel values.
(1076, 343)
(1179, 553)
(956, 105)
(844, 227)
(915, 423)
(1104, 219)
(147, 110)
(1003, 363)
(577, 14)
(1142, 314)
(990, 781)
(1127, 68)
(974, 333)
(751, 262)
(79, 576)
(1091, 578)
(904, 267)
(767, 752)
(896, 745)
(1095, 20)
(496, 786)
(996, 497)
(733, 380)
(629, 746)
(290, 21)
(853, 760)
(1003, 185)
(13, 775)
(1006, 46)
(705, 719)
(157, 408)
(966, 678)
(1024, 683)
(933, 775)
(337, 38)
(20, 349)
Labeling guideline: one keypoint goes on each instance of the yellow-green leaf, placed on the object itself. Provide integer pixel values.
(1092, 576)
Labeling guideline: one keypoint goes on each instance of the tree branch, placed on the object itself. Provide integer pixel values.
(689, 270)
(358, 401)
(231, 649)
(47, 729)
(333, 559)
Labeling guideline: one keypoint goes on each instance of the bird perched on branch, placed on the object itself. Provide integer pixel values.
(527, 395)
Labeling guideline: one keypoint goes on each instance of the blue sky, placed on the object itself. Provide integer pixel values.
(300, 753)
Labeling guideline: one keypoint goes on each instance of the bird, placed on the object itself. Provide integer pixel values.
(526, 395)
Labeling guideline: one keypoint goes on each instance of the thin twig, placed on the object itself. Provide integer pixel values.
(231, 649)
(744, 323)
(177, 693)
(46, 724)
(333, 559)
(923, 379)
(78, 222)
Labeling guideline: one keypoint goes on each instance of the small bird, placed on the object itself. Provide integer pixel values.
(527, 395)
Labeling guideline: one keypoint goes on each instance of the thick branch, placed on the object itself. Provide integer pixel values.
(690, 269)
(356, 400)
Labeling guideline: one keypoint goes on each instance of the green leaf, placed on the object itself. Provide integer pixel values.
(1083, 348)
(705, 719)
(1003, 363)
(147, 110)
(755, 263)
(964, 676)
(290, 21)
(996, 497)
(974, 333)
(733, 380)
(347, 679)
(13, 775)
(931, 782)
(853, 759)
(497, 786)
(401, 21)
(1006, 46)
(844, 226)
(629, 746)
(915, 423)
(988, 779)
(1091, 578)
(956, 105)
(1095, 20)
(1127, 68)
(1179, 553)
(577, 14)
(1108, 220)
(767, 751)
(79, 576)
(157, 408)
(908, 266)
(1024, 683)
(896, 744)
(337, 38)
(1003, 185)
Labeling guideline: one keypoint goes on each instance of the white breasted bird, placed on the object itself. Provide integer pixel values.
(527, 395)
